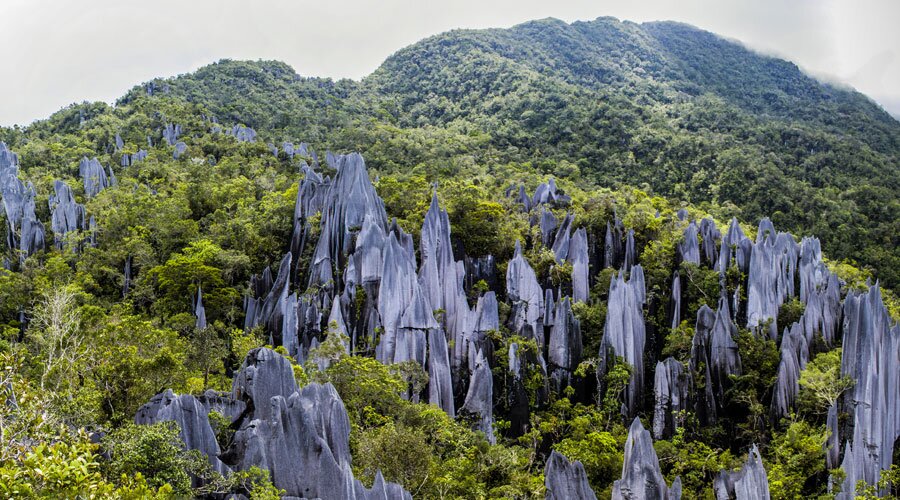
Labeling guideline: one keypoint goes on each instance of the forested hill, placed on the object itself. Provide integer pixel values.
(555, 261)
(666, 106)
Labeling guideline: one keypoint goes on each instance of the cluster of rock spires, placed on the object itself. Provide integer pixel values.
(365, 280)
(300, 435)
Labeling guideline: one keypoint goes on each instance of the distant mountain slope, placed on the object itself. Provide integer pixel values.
(661, 105)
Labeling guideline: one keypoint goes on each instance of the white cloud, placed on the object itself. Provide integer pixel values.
(58, 52)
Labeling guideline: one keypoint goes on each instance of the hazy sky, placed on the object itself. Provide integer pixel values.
(54, 53)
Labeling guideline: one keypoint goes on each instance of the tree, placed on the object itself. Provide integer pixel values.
(821, 382)
(55, 335)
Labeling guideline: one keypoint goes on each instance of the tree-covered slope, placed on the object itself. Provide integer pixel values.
(555, 247)
(678, 110)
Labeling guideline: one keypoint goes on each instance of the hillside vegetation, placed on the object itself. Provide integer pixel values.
(540, 252)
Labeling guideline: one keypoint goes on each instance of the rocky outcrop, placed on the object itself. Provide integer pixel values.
(565, 349)
(66, 215)
(263, 375)
(566, 480)
(191, 416)
(24, 231)
(578, 257)
(642, 478)
(242, 133)
(171, 133)
(871, 356)
(689, 249)
(625, 334)
(480, 397)
(749, 483)
(93, 176)
(526, 296)
(671, 390)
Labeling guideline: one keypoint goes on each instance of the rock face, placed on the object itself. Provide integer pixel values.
(565, 351)
(578, 257)
(24, 231)
(749, 483)
(242, 133)
(65, 214)
(566, 480)
(689, 249)
(871, 355)
(170, 133)
(302, 437)
(624, 333)
(93, 176)
(671, 390)
(191, 417)
(641, 475)
(480, 398)
(526, 296)
(263, 375)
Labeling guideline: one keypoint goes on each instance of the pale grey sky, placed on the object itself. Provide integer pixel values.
(54, 53)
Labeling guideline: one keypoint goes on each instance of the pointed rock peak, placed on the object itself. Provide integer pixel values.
(566, 480)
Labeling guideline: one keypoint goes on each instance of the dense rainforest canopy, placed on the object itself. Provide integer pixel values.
(540, 253)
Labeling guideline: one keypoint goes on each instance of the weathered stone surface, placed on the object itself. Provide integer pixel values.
(93, 175)
(440, 388)
(480, 397)
(200, 311)
(770, 280)
(676, 300)
(263, 375)
(642, 478)
(566, 480)
(689, 249)
(191, 417)
(630, 251)
(871, 356)
(562, 238)
(170, 133)
(735, 249)
(671, 389)
(65, 214)
(578, 257)
(625, 334)
(749, 483)
(565, 350)
(180, 149)
(222, 403)
(794, 355)
(526, 296)
(548, 224)
(24, 231)
(713, 348)
(709, 241)
(242, 133)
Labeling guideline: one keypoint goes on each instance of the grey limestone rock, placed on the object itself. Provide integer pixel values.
(566, 480)
(65, 214)
(625, 334)
(191, 417)
(749, 483)
(642, 478)
(200, 311)
(93, 176)
(263, 375)
(526, 296)
(565, 350)
(689, 249)
(871, 356)
(480, 397)
(671, 390)
(180, 149)
(578, 256)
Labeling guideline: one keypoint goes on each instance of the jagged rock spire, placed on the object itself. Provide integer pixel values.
(749, 483)
(871, 356)
(642, 478)
(566, 480)
(624, 333)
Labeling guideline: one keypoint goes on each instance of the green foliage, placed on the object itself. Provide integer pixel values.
(798, 455)
(153, 451)
(821, 382)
